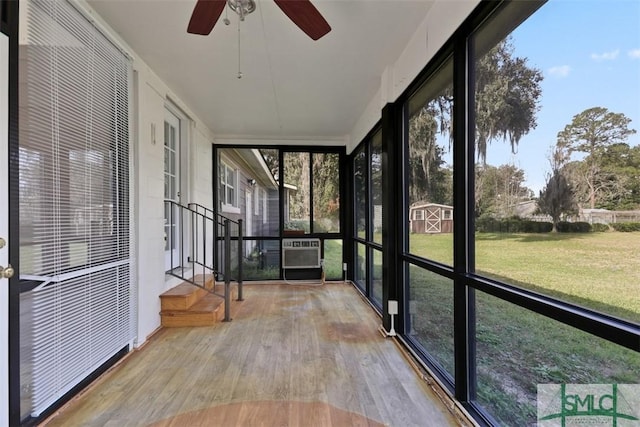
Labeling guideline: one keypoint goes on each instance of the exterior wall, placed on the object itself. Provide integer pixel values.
(152, 95)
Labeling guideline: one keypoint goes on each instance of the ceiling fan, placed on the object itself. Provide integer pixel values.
(301, 12)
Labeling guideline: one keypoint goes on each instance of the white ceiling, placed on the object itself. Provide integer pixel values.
(292, 86)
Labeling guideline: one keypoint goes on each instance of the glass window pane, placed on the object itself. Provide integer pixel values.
(262, 261)
(430, 314)
(360, 192)
(376, 282)
(297, 186)
(361, 266)
(231, 177)
(231, 196)
(376, 186)
(517, 350)
(430, 173)
(333, 259)
(555, 164)
(326, 193)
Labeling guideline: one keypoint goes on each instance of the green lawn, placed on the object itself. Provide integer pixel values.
(517, 349)
(597, 270)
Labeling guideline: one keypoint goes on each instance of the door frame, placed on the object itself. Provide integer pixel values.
(10, 353)
(4, 229)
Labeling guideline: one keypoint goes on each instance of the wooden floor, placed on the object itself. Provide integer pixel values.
(292, 356)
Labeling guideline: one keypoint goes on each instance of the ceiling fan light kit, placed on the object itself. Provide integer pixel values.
(302, 12)
(242, 7)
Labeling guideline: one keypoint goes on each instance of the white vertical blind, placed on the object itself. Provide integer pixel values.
(74, 202)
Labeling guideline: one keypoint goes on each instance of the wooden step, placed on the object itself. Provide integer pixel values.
(205, 312)
(185, 294)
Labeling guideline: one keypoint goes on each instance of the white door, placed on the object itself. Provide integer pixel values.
(172, 190)
(4, 228)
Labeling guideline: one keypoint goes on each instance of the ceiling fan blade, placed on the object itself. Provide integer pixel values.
(306, 16)
(205, 15)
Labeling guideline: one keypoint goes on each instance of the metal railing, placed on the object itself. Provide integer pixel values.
(192, 238)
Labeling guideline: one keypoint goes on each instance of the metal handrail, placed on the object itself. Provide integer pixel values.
(189, 226)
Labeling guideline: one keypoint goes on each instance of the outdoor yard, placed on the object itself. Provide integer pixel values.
(518, 349)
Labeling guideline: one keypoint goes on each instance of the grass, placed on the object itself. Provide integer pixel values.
(517, 349)
(596, 270)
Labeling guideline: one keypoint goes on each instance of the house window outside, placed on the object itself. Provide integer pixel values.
(418, 215)
(228, 186)
(446, 214)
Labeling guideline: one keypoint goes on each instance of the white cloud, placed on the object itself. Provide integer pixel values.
(605, 56)
(634, 53)
(559, 71)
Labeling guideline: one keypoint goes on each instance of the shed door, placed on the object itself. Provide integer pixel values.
(433, 220)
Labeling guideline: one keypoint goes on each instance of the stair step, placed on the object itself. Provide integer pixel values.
(205, 312)
(185, 294)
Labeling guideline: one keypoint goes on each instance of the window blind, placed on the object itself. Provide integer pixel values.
(74, 202)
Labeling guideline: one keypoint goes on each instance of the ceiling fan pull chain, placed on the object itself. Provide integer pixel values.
(239, 71)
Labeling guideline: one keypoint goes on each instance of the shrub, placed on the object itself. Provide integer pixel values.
(626, 226)
(598, 227)
(514, 224)
(573, 227)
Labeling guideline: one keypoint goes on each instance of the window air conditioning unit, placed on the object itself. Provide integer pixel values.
(300, 253)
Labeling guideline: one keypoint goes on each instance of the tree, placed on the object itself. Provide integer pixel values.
(591, 132)
(621, 164)
(507, 97)
(556, 198)
(499, 189)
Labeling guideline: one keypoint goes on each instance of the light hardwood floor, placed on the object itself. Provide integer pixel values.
(292, 356)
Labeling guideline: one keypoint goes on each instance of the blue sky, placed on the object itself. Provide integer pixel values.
(589, 54)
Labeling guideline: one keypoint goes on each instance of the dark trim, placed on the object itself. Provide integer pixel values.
(621, 332)
(392, 179)
(463, 299)
(34, 421)
(9, 26)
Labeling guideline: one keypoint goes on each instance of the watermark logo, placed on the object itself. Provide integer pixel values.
(593, 405)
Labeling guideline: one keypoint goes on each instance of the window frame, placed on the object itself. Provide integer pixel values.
(224, 170)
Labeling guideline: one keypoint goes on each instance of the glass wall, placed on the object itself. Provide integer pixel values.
(517, 349)
(297, 193)
(361, 270)
(333, 259)
(430, 315)
(326, 192)
(360, 192)
(368, 210)
(376, 187)
(518, 259)
(555, 163)
(430, 171)
(307, 203)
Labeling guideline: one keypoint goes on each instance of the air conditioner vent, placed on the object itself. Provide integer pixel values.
(300, 253)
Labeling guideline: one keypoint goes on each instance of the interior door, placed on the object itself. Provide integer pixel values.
(172, 190)
(4, 230)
